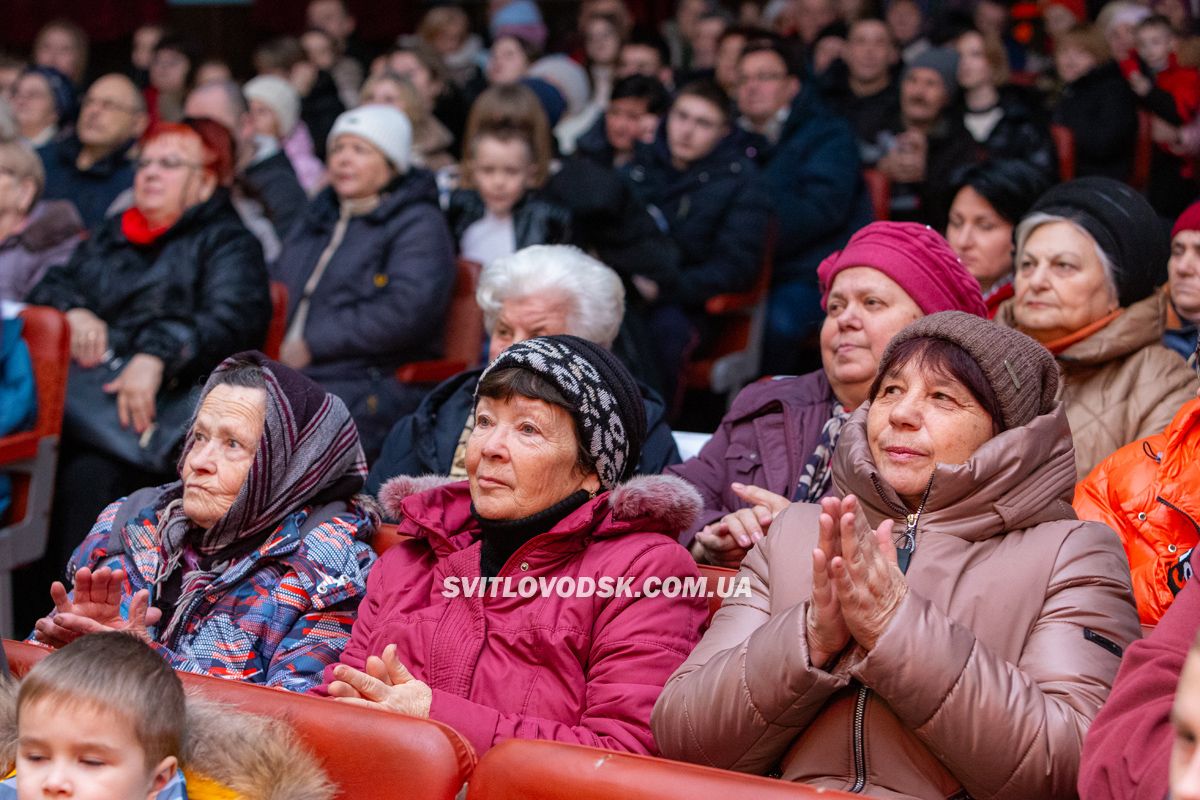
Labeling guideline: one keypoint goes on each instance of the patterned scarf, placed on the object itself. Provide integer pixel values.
(818, 472)
(309, 453)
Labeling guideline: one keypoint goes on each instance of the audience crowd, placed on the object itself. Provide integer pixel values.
(953, 249)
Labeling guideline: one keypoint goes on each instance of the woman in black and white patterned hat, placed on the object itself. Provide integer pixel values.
(523, 606)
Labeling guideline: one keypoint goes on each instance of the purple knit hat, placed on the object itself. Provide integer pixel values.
(914, 256)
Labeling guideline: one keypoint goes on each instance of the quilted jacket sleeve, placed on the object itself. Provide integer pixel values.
(1013, 730)
(747, 690)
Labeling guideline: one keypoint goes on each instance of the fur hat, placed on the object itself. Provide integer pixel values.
(281, 96)
(387, 128)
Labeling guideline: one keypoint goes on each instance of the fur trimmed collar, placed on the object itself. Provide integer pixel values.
(672, 502)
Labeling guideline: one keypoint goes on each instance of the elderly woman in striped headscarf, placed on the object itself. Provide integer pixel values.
(252, 565)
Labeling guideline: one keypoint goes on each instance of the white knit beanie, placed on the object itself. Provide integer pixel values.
(386, 127)
(280, 95)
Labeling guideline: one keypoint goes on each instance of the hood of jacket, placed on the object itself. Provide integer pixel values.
(415, 186)
(1017, 479)
(1139, 325)
(438, 508)
(255, 757)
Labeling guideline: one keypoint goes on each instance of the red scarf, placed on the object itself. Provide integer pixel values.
(137, 230)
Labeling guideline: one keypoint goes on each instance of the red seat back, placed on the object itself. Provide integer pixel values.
(1064, 145)
(462, 344)
(541, 770)
(879, 186)
(368, 754)
(278, 326)
(712, 580)
(386, 536)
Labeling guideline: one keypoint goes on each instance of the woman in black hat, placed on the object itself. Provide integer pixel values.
(1089, 256)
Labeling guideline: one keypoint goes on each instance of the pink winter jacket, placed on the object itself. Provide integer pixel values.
(298, 145)
(585, 670)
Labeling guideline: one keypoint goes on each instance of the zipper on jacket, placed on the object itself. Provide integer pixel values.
(908, 543)
(1186, 515)
(860, 741)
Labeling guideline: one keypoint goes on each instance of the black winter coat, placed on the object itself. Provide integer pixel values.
(1101, 110)
(195, 295)
(713, 210)
(1022, 134)
(424, 442)
(535, 221)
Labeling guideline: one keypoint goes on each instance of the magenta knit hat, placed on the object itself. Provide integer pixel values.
(914, 256)
(1189, 220)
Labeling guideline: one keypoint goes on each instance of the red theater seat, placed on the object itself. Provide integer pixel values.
(369, 755)
(540, 770)
(278, 325)
(462, 346)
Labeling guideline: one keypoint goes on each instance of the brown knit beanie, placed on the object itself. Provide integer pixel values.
(1020, 371)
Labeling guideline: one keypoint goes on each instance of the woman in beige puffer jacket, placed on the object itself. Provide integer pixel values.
(970, 663)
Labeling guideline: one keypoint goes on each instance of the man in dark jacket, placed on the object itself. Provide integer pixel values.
(699, 184)
(266, 191)
(869, 96)
(633, 115)
(92, 166)
(810, 172)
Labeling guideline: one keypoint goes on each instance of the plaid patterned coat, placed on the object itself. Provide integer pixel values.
(275, 617)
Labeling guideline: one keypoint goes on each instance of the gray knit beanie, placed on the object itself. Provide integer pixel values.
(1020, 371)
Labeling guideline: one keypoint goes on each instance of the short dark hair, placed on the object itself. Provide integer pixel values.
(1009, 186)
(751, 33)
(1156, 21)
(947, 359)
(709, 91)
(648, 37)
(509, 382)
(643, 87)
(787, 54)
(114, 672)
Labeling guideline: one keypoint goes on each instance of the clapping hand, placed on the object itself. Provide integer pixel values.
(95, 607)
(726, 541)
(386, 684)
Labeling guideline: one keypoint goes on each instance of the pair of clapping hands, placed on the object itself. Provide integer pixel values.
(857, 582)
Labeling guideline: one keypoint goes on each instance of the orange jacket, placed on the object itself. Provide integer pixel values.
(1149, 493)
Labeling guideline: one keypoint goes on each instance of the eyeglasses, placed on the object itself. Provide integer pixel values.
(104, 104)
(761, 77)
(168, 163)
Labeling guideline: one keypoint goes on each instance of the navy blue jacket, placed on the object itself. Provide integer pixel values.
(424, 442)
(713, 210)
(813, 179)
(92, 190)
(383, 297)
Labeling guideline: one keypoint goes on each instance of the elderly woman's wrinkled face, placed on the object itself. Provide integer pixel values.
(357, 168)
(864, 311)
(1061, 286)
(981, 237)
(33, 104)
(521, 318)
(171, 178)
(522, 457)
(921, 418)
(228, 427)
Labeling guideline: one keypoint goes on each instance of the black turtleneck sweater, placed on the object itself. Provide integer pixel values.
(503, 537)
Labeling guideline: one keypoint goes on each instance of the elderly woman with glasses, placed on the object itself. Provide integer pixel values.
(155, 299)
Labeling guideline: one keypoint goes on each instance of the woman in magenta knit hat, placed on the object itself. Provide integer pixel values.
(776, 443)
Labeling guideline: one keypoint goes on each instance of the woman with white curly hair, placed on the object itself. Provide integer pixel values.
(541, 290)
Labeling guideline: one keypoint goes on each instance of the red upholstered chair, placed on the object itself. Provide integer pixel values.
(712, 578)
(368, 754)
(31, 457)
(733, 359)
(385, 537)
(278, 326)
(462, 345)
(541, 770)
(1064, 145)
(880, 188)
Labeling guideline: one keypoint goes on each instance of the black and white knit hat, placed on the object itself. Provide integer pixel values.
(605, 400)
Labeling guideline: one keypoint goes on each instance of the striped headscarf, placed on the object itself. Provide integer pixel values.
(309, 454)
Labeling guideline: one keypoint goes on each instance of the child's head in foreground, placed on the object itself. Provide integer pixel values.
(102, 719)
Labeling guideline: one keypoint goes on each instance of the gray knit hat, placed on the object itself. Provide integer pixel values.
(943, 61)
(1022, 373)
